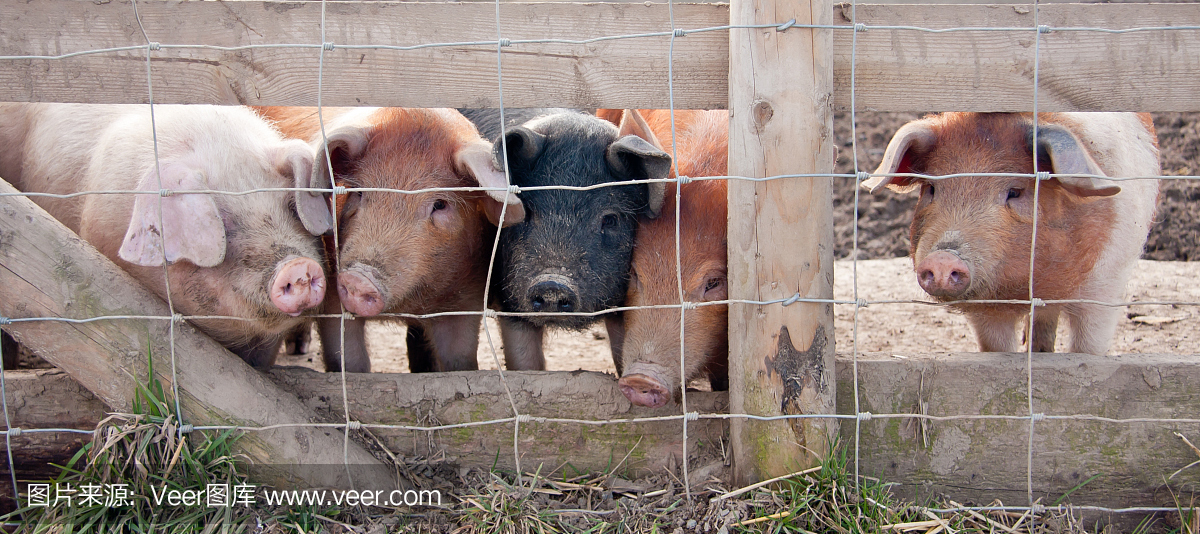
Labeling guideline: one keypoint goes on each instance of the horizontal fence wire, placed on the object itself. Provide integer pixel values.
(517, 418)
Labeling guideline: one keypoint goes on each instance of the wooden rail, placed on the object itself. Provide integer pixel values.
(897, 70)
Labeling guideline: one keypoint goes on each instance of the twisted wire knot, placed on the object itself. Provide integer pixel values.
(176, 317)
(865, 416)
(347, 316)
(860, 27)
(5, 321)
(1042, 176)
(1037, 303)
(1042, 28)
(862, 176)
(514, 189)
(489, 313)
(680, 32)
(186, 429)
(786, 25)
(791, 300)
(165, 192)
(683, 180)
(327, 46)
(154, 46)
(1037, 417)
(505, 42)
(862, 303)
(339, 190)
(688, 305)
(353, 425)
(14, 432)
(691, 416)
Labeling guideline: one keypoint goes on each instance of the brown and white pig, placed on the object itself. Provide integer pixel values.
(971, 235)
(648, 359)
(254, 256)
(414, 253)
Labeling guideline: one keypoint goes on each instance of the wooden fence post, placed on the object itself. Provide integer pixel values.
(780, 235)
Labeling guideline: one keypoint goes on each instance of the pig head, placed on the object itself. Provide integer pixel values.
(412, 251)
(971, 235)
(648, 360)
(255, 257)
(572, 251)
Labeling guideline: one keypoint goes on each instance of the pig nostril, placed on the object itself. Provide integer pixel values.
(566, 307)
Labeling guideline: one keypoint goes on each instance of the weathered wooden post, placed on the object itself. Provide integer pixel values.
(780, 235)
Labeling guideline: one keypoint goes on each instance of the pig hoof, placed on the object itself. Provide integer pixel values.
(644, 391)
(944, 274)
(298, 286)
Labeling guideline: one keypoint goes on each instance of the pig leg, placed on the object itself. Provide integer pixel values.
(297, 341)
(615, 324)
(421, 358)
(1045, 329)
(330, 328)
(444, 344)
(1092, 327)
(522, 345)
(996, 332)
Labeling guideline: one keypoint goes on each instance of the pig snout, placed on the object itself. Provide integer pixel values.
(552, 293)
(644, 385)
(299, 284)
(944, 274)
(360, 292)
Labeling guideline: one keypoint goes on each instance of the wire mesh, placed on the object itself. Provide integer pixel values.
(500, 44)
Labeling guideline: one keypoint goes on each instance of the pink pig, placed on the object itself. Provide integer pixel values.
(971, 235)
(254, 256)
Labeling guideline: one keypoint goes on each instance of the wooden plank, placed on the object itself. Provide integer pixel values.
(898, 70)
(902, 70)
(982, 460)
(48, 271)
(460, 76)
(970, 461)
(46, 398)
(640, 449)
(780, 237)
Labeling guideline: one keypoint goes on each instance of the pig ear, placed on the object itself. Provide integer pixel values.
(911, 140)
(476, 160)
(636, 158)
(610, 115)
(341, 144)
(523, 146)
(191, 227)
(632, 123)
(295, 159)
(1068, 156)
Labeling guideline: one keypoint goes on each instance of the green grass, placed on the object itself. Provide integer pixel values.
(145, 452)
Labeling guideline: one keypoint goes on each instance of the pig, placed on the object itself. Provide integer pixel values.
(413, 253)
(255, 256)
(648, 365)
(571, 252)
(971, 235)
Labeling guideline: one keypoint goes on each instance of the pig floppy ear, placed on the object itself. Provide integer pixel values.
(523, 146)
(341, 145)
(632, 123)
(475, 159)
(610, 115)
(636, 158)
(1067, 156)
(295, 159)
(191, 227)
(910, 141)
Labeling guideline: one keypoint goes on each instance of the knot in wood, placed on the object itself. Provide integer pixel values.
(763, 112)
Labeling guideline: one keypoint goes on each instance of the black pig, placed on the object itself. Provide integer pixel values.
(572, 252)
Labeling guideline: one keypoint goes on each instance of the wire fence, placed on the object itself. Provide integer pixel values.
(500, 44)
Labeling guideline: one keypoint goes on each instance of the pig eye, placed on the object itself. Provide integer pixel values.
(927, 190)
(608, 221)
(712, 284)
(1015, 193)
(439, 204)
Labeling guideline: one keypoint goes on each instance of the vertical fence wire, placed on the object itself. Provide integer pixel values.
(1029, 332)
